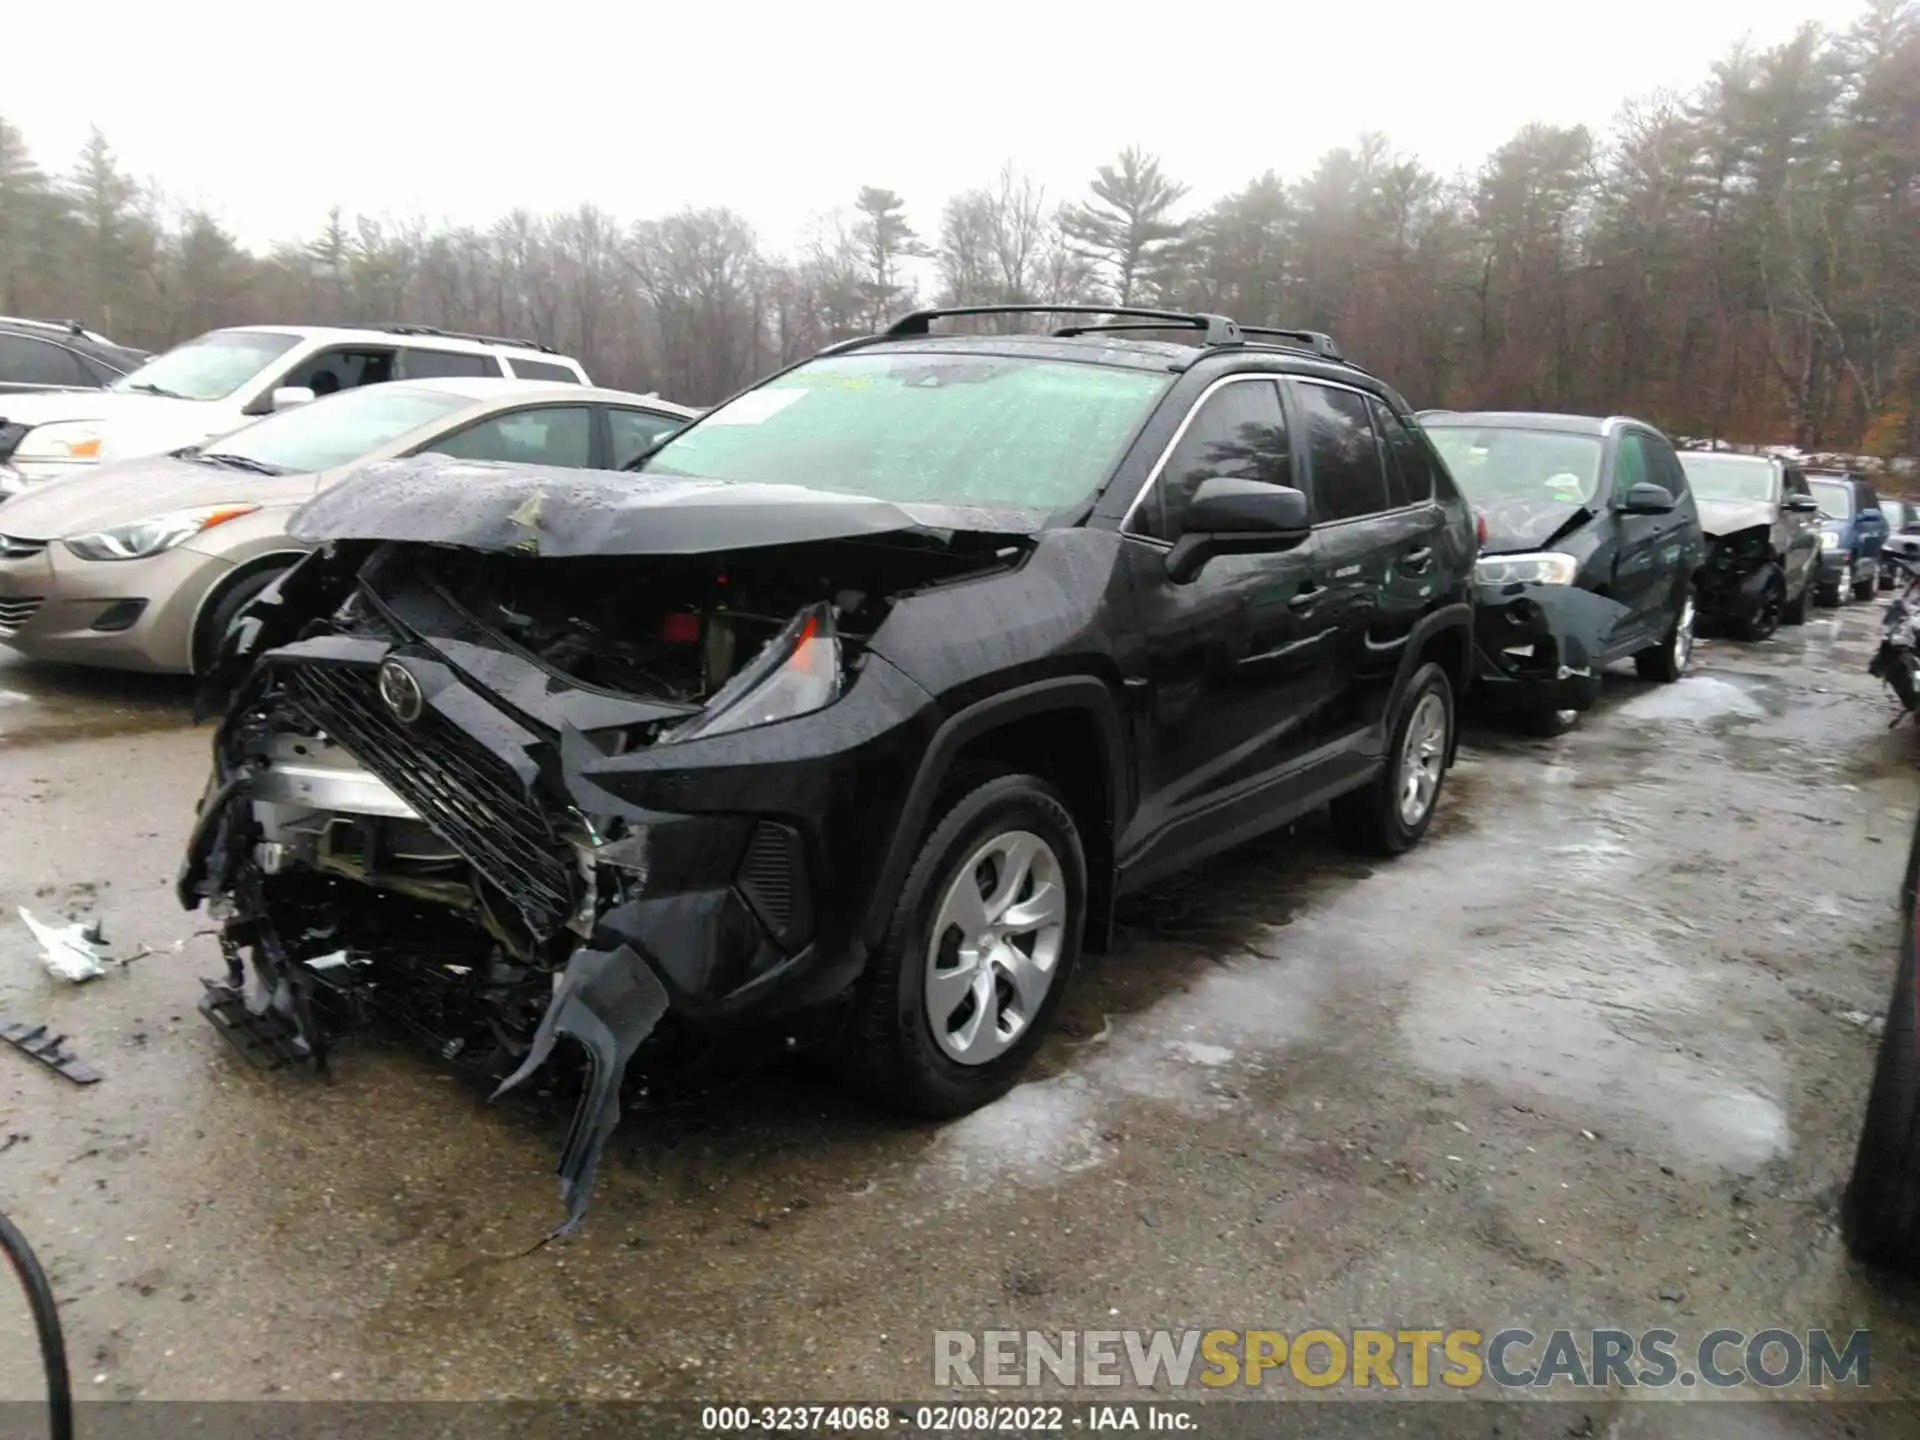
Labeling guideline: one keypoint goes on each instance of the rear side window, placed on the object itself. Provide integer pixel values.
(1349, 476)
(542, 370)
(633, 433)
(35, 362)
(423, 364)
(1409, 466)
(1239, 432)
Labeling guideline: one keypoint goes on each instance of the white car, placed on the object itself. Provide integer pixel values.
(215, 384)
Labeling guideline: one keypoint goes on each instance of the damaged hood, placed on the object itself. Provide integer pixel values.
(1519, 523)
(543, 510)
(1728, 517)
(119, 494)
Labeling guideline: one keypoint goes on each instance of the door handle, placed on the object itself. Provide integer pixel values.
(1416, 560)
(1307, 596)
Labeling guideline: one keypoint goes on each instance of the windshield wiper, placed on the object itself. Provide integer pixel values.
(239, 462)
(147, 387)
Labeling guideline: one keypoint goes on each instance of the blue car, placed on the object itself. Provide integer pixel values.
(1853, 530)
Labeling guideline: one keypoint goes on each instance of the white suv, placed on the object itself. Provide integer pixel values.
(226, 378)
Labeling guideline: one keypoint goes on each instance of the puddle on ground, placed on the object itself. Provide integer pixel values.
(1694, 699)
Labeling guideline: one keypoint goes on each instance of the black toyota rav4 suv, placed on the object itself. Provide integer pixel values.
(849, 712)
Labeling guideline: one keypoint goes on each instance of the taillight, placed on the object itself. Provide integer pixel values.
(1480, 526)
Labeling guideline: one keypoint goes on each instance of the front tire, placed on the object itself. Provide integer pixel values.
(1667, 661)
(978, 951)
(1796, 611)
(1837, 594)
(216, 618)
(1765, 617)
(1392, 812)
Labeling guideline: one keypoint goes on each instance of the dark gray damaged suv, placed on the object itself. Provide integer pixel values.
(846, 715)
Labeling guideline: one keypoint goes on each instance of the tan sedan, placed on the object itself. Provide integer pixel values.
(141, 565)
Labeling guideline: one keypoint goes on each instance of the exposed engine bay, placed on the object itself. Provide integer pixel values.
(397, 828)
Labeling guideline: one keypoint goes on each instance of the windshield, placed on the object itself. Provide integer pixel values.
(1835, 497)
(210, 368)
(1492, 463)
(1727, 477)
(955, 429)
(333, 431)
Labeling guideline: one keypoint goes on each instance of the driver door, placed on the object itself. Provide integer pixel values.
(1227, 670)
(1642, 579)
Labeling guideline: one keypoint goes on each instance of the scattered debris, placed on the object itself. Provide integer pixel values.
(50, 1050)
(71, 952)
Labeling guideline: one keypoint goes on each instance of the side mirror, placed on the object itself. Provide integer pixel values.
(287, 397)
(1648, 499)
(1805, 504)
(1237, 517)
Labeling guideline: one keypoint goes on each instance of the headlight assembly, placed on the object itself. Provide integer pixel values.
(1547, 567)
(1829, 540)
(141, 538)
(798, 672)
(68, 440)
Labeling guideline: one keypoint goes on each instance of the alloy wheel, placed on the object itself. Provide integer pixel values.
(995, 946)
(1683, 636)
(1423, 756)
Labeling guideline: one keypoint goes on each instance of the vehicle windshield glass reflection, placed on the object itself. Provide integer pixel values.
(1728, 477)
(1493, 463)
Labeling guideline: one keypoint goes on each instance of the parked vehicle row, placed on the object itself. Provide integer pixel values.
(213, 385)
(144, 565)
(838, 716)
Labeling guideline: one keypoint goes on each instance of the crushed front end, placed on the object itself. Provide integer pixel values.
(498, 799)
(1732, 584)
(1539, 645)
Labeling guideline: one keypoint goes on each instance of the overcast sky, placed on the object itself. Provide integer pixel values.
(267, 113)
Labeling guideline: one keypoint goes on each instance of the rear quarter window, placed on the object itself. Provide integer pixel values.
(542, 370)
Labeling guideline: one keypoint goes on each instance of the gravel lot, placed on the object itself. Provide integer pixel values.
(1593, 1056)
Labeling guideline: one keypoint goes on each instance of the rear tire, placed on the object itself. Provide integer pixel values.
(1866, 585)
(1880, 1212)
(216, 618)
(892, 1049)
(1667, 661)
(1383, 817)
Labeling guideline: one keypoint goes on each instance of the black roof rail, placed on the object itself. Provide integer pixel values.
(515, 341)
(1218, 329)
(1319, 342)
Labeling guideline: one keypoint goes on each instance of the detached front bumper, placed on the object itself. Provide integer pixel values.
(1540, 647)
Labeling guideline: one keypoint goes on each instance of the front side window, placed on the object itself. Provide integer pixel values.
(1728, 477)
(634, 432)
(1496, 463)
(1239, 432)
(210, 368)
(346, 367)
(547, 435)
(25, 361)
(332, 432)
(1631, 466)
(1349, 475)
(926, 428)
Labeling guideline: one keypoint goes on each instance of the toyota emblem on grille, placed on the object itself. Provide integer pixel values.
(401, 692)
